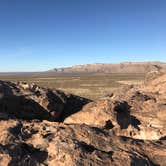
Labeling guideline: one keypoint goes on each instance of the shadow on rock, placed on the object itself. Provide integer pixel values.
(22, 108)
(21, 132)
(123, 116)
(29, 101)
(73, 105)
(23, 154)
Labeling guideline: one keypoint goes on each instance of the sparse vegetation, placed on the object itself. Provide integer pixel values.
(91, 86)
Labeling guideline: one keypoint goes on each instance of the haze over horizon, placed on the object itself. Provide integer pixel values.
(38, 35)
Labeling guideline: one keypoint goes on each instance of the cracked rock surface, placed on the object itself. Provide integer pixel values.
(45, 143)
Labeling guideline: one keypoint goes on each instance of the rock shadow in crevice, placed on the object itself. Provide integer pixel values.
(90, 148)
(123, 116)
(21, 132)
(23, 154)
(73, 105)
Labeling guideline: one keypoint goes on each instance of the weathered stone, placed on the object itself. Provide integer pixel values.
(134, 111)
(125, 128)
(74, 145)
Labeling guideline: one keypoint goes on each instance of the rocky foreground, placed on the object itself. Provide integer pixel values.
(41, 127)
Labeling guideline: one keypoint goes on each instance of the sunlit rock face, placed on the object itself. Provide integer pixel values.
(47, 143)
(133, 111)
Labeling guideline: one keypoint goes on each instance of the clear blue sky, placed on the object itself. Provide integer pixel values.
(43, 34)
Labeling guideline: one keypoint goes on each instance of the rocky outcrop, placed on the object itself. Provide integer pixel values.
(45, 143)
(29, 101)
(133, 111)
(125, 128)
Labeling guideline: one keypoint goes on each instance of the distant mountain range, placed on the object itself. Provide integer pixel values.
(124, 67)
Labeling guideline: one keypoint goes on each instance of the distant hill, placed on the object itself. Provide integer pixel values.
(124, 67)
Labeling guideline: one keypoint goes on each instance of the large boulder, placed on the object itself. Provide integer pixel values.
(29, 101)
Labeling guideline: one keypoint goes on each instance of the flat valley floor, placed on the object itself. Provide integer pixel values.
(91, 86)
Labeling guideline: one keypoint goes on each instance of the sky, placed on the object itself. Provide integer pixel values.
(38, 35)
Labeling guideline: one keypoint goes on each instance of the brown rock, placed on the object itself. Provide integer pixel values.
(28, 101)
(132, 111)
(49, 143)
(125, 128)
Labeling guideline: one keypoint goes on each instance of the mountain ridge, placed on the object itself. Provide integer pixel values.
(123, 67)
